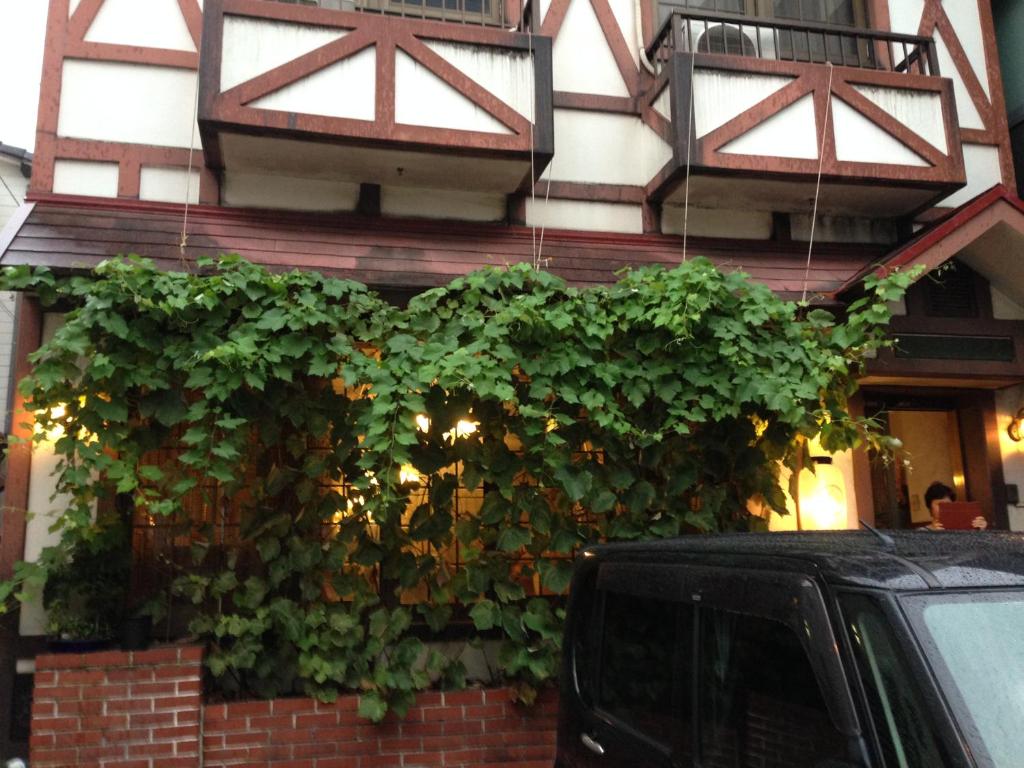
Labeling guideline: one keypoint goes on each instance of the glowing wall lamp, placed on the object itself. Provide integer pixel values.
(821, 502)
(1016, 428)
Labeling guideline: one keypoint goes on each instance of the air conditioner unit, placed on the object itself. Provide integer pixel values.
(725, 38)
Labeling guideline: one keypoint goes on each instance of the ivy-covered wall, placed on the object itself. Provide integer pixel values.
(350, 479)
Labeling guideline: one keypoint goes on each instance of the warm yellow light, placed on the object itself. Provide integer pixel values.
(822, 497)
(465, 428)
(551, 426)
(408, 474)
(1016, 428)
(55, 433)
(422, 422)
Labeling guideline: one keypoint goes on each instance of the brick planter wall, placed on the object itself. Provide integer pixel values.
(144, 710)
(456, 729)
(117, 709)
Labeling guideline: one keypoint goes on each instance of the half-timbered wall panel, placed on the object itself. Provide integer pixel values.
(127, 103)
(966, 49)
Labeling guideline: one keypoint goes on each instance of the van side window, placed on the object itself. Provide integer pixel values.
(644, 645)
(901, 719)
(759, 700)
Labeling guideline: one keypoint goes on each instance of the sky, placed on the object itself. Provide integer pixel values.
(21, 63)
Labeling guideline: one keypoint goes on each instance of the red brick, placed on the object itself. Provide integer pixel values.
(244, 708)
(44, 679)
(130, 675)
(128, 705)
(37, 740)
(423, 760)
(152, 749)
(59, 661)
(54, 724)
(400, 745)
(62, 691)
(422, 729)
(127, 764)
(44, 709)
(455, 757)
(252, 738)
(495, 695)
(459, 727)
(345, 734)
(103, 722)
(337, 762)
(282, 706)
(316, 749)
(104, 692)
(165, 688)
(177, 671)
(151, 719)
(187, 716)
(323, 720)
(60, 758)
(83, 677)
(429, 699)
(188, 701)
(178, 762)
(214, 755)
(190, 653)
(272, 722)
(459, 698)
(108, 659)
(166, 655)
(380, 761)
(484, 711)
(189, 686)
(175, 732)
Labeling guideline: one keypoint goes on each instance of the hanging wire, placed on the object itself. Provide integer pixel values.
(537, 245)
(188, 178)
(534, 256)
(817, 187)
(689, 138)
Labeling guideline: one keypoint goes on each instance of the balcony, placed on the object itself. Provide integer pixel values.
(755, 109)
(386, 92)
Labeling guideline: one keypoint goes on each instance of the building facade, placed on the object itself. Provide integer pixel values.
(405, 142)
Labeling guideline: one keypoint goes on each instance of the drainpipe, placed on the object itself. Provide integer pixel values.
(641, 48)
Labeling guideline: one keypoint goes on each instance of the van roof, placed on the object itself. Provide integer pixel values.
(893, 560)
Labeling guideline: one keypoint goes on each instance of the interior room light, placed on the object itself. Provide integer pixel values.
(1016, 428)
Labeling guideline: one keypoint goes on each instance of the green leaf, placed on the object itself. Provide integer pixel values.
(513, 539)
(372, 707)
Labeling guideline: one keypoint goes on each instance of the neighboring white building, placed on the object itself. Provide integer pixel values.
(15, 169)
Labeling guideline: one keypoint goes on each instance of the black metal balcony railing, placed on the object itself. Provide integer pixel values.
(489, 13)
(781, 40)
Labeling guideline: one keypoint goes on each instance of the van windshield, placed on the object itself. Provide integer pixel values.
(973, 642)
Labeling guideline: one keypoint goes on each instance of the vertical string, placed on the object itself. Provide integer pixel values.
(817, 187)
(689, 138)
(188, 177)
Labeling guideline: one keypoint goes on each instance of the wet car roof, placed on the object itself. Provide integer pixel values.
(895, 560)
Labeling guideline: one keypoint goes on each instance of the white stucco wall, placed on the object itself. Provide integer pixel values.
(43, 508)
(12, 194)
(1008, 402)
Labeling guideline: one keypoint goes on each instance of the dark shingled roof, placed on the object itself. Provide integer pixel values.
(76, 233)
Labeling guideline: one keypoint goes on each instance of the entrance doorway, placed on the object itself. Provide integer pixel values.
(947, 437)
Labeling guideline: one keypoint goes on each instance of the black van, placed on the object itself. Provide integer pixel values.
(825, 650)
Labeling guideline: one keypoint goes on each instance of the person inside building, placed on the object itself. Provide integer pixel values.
(939, 493)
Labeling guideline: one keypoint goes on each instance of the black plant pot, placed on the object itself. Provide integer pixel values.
(137, 633)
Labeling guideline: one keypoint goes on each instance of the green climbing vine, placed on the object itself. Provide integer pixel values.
(391, 473)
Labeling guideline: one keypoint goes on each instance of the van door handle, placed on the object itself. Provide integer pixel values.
(592, 745)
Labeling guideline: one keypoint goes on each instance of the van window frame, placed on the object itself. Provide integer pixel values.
(790, 598)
